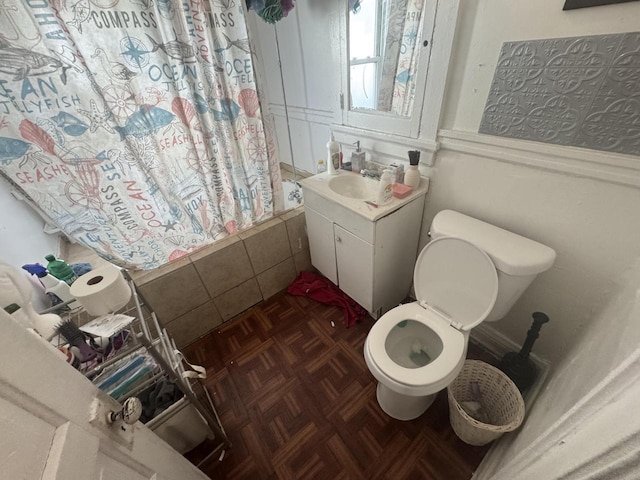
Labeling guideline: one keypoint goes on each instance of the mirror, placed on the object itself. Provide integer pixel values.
(383, 52)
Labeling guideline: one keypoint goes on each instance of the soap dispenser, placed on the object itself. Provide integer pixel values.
(357, 159)
(412, 175)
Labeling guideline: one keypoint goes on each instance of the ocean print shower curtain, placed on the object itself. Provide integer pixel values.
(135, 124)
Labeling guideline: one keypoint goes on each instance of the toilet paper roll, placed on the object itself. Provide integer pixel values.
(101, 291)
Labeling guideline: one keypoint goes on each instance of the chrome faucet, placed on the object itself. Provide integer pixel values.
(370, 173)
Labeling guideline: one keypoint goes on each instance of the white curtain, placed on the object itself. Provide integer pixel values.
(397, 83)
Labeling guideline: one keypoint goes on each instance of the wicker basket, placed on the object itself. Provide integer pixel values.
(501, 400)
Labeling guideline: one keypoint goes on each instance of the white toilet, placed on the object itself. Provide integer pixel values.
(470, 271)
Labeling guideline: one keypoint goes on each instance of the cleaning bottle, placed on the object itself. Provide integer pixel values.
(357, 159)
(60, 269)
(412, 175)
(333, 156)
(385, 188)
(53, 285)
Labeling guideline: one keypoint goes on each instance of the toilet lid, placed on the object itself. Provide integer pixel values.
(457, 279)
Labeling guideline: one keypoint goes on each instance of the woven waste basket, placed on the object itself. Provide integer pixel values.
(501, 401)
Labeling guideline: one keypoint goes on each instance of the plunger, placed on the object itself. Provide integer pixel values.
(518, 366)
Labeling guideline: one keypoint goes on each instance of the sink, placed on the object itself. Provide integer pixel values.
(354, 186)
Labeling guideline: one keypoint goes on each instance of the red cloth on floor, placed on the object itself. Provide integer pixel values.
(322, 290)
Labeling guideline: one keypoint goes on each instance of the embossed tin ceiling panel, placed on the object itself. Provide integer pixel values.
(579, 91)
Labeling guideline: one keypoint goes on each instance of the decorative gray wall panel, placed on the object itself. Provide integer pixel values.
(579, 91)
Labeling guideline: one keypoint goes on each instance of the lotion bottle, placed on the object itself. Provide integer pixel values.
(333, 156)
(385, 188)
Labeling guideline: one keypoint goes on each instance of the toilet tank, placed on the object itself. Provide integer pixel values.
(517, 259)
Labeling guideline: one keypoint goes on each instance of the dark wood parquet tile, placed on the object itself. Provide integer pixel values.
(298, 402)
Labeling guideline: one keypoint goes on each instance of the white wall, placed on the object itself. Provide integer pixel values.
(310, 65)
(21, 237)
(486, 24)
(590, 223)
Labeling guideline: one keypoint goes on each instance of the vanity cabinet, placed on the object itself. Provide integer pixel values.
(370, 260)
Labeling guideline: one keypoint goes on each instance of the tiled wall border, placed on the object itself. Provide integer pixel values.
(196, 293)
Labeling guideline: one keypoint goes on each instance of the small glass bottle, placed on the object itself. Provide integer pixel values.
(322, 167)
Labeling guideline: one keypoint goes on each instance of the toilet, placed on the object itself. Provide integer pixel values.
(470, 272)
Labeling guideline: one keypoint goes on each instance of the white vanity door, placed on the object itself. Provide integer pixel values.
(321, 244)
(355, 267)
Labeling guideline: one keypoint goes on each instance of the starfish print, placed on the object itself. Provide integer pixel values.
(97, 118)
(169, 226)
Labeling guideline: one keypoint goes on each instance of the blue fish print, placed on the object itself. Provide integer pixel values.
(12, 148)
(230, 110)
(404, 76)
(200, 103)
(147, 120)
(69, 124)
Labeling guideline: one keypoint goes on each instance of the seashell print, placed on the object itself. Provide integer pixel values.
(248, 100)
(176, 254)
(183, 110)
(69, 124)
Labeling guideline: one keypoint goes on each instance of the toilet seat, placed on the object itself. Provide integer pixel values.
(454, 344)
(456, 285)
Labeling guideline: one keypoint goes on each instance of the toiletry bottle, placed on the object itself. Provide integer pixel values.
(333, 156)
(60, 269)
(60, 289)
(357, 159)
(321, 167)
(412, 175)
(52, 285)
(385, 188)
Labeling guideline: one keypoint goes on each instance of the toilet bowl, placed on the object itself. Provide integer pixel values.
(417, 349)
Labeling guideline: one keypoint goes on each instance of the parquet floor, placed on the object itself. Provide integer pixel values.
(297, 401)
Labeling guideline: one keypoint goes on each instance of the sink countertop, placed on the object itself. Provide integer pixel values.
(319, 184)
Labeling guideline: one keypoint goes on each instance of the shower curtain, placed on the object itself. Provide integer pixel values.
(397, 82)
(135, 125)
